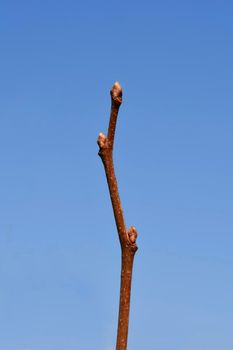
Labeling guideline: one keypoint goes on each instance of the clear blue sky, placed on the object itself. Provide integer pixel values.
(59, 251)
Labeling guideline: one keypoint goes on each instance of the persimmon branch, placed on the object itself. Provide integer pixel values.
(127, 238)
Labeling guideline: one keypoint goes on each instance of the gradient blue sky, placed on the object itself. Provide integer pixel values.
(59, 251)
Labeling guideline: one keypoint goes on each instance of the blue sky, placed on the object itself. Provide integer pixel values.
(59, 251)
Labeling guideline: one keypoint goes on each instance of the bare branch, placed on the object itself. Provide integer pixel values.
(127, 237)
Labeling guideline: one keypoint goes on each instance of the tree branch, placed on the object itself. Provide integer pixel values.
(127, 237)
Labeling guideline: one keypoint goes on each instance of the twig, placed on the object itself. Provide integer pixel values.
(127, 237)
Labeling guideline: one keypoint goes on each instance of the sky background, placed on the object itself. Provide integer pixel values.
(59, 250)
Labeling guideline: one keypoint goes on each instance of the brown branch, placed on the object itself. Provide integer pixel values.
(127, 237)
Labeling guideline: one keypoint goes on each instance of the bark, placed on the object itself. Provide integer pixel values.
(127, 238)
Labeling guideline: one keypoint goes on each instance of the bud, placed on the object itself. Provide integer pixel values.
(132, 234)
(101, 140)
(116, 93)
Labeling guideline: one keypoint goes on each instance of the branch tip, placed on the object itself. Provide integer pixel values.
(116, 93)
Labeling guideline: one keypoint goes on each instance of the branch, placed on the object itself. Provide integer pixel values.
(127, 237)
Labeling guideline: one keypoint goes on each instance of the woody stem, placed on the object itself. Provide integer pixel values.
(127, 238)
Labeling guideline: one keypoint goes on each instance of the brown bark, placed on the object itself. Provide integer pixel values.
(127, 237)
